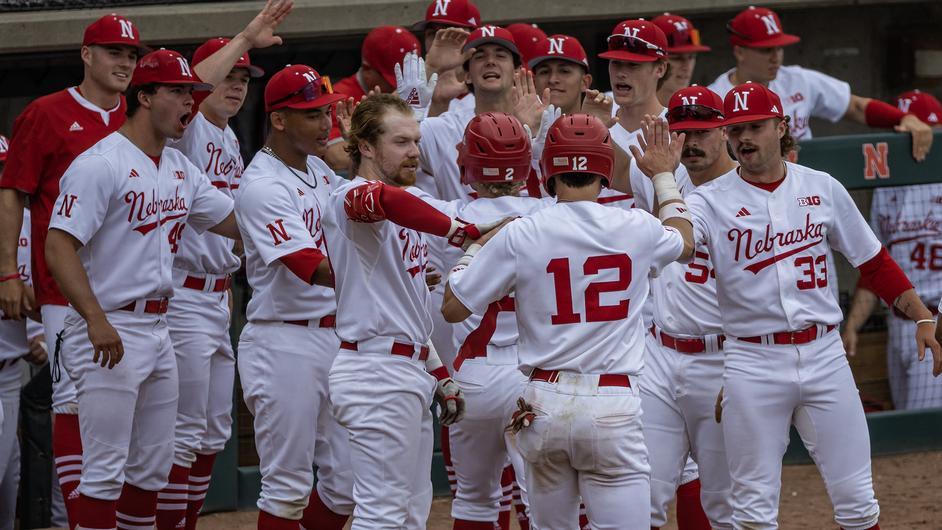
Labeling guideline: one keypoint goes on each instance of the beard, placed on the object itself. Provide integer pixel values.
(404, 174)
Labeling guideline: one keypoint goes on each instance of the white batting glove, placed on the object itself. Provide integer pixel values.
(550, 115)
(413, 87)
(450, 400)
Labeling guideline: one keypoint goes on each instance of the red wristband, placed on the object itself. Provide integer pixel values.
(9, 277)
(883, 115)
(440, 373)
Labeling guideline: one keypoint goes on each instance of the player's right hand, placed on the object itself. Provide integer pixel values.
(849, 338)
(412, 85)
(925, 338)
(109, 350)
(14, 299)
(659, 148)
(446, 53)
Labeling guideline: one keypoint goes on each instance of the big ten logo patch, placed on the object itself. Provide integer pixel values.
(876, 161)
(215, 165)
(414, 251)
(813, 200)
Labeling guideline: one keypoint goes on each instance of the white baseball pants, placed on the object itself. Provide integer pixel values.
(10, 384)
(64, 392)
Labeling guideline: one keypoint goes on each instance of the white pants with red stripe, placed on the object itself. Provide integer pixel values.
(384, 402)
(127, 413)
(768, 388)
(586, 440)
(64, 392)
(480, 445)
(678, 395)
(283, 369)
(199, 328)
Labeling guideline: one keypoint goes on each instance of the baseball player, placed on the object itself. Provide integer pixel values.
(47, 136)
(684, 349)
(380, 383)
(289, 344)
(560, 64)
(683, 45)
(383, 48)
(528, 38)
(759, 42)
(769, 227)
(129, 196)
(443, 14)
(198, 315)
(906, 221)
(577, 307)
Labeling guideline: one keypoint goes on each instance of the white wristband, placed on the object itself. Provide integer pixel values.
(665, 187)
(925, 321)
(674, 209)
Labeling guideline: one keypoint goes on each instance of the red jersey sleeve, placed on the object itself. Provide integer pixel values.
(25, 160)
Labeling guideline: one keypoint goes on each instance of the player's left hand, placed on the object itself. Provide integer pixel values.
(412, 85)
(921, 133)
(432, 277)
(528, 104)
(260, 32)
(447, 50)
(38, 353)
(344, 111)
(450, 400)
(599, 105)
(660, 149)
(925, 338)
(550, 114)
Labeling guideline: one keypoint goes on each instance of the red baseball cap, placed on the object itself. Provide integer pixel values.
(214, 45)
(4, 147)
(682, 37)
(563, 48)
(636, 41)
(693, 108)
(460, 13)
(751, 102)
(492, 35)
(386, 46)
(113, 30)
(299, 86)
(166, 67)
(528, 38)
(922, 105)
(758, 27)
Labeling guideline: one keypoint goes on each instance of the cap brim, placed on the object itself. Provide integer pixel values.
(690, 48)
(323, 101)
(618, 55)
(749, 118)
(422, 24)
(694, 125)
(783, 39)
(142, 49)
(254, 71)
(493, 40)
(537, 60)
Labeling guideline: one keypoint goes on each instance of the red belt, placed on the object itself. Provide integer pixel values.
(683, 345)
(328, 321)
(802, 336)
(551, 376)
(398, 348)
(899, 314)
(154, 307)
(195, 282)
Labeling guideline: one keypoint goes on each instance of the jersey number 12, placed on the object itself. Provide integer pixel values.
(594, 310)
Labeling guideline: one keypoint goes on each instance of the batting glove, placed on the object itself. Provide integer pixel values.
(550, 115)
(450, 401)
(522, 417)
(463, 234)
(413, 87)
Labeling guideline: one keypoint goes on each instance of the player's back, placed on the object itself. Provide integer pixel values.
(581, 281)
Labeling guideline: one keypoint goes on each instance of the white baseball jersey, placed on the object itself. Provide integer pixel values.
(379, 273)
(804, 93)
(772, 250)
(579, 271)
(216, 152)
(908, 220)
(13, 332)
(280, 211)
(439, 154)
(683, 295)
(129, 215)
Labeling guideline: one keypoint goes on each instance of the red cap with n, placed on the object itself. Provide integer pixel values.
(492, 35)
(563, 48)
(299, 86)
(166, 67)
(682, 37)
(636, 41)
(758, 27)
(921, 104)
(460, 13)
(528, 38)
(695, 107)
(214, 45)
(113, 30)
(386, 46)
(751, 102)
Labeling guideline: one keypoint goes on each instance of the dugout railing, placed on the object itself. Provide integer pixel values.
(860, 162)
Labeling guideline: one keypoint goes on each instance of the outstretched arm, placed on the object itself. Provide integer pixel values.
(876, 113)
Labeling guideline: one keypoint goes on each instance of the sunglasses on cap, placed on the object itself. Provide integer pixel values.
(309, 92)
(636, 45)
(683, 38)
(694, 113)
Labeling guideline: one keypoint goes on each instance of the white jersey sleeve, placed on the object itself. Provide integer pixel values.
(268, 216)
(85, 192)
(849, 233)
(493, 275)
(209, 206)
(829, 96)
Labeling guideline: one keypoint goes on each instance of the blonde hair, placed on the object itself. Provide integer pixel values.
(366, 124)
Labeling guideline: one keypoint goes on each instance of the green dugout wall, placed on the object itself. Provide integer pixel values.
(859, 162)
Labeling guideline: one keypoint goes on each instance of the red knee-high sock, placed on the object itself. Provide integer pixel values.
(317, 516)
(136, 508)
(67, 448)
(462, 524)
(583, 518)
(200, 475)
(172, 500)
(446, 456)
(506, 497)
(690, 514)
(267, 521)
(94, 514)
(522, 520)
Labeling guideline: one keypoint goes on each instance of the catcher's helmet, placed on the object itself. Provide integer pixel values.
(577, 143)
(495, 148)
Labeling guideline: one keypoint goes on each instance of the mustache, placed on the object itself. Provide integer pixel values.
(692, 151)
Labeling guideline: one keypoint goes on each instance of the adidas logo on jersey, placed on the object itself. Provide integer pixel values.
(133, 174)
(300, 193)
(743, 213)
(413, 98)
(75, 127)
(74, 495)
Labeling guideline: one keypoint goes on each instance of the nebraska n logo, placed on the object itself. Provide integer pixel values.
(127, 30)
(65, 209)
(904, 104)
(441, 8)
(487, 31)
(742, 101)
(279, 233)
(631, 32)
(689, 100)
(555, 46)
(771, 26)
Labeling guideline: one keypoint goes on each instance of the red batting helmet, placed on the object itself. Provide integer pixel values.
(495, 148)
(577, 143)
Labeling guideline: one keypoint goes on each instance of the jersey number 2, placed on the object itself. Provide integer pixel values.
(594, 310)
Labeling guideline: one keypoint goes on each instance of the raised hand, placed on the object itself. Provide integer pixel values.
(528, 105)
(659, 148)
(446, 50)
(260, 32)
(412, 85)
(599, 105)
